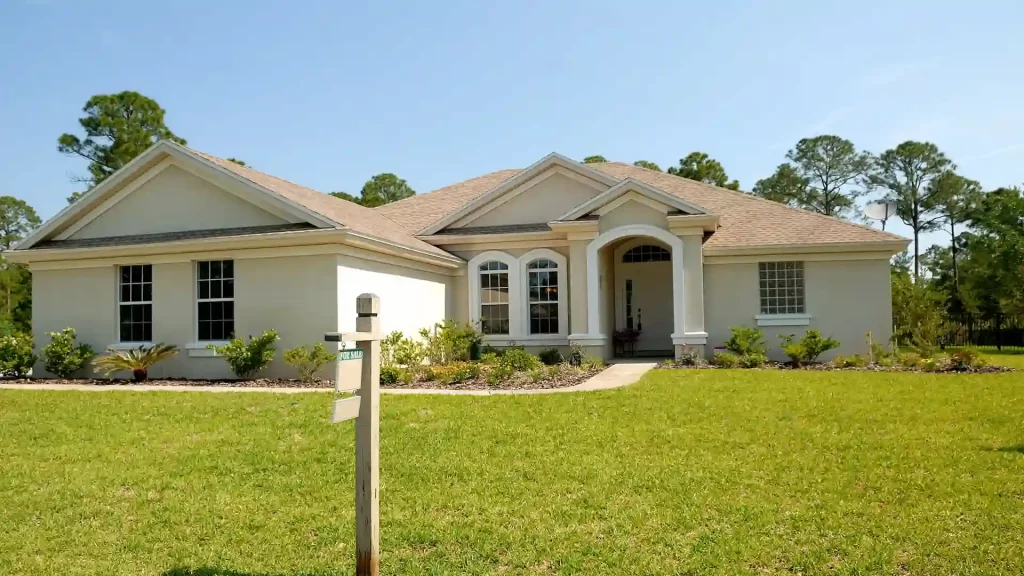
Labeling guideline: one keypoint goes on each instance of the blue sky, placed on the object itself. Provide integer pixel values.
(329, 93)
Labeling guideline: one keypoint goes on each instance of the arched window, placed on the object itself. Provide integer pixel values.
(542, 285)
(646, 253)
(494, 298)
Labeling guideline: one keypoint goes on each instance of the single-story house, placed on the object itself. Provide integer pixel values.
(187, 249)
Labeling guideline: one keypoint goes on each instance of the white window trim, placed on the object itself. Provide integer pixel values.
(197, 345)
(563, 296)
(514, 294)
(118, 343)
(783, 319)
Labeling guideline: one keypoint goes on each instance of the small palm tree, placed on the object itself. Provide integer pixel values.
(137, 361)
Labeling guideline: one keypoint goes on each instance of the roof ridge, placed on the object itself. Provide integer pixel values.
(751, 196)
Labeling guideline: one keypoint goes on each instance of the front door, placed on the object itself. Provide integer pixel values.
(645, 304)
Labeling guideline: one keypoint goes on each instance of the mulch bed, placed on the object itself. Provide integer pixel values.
(520, 381)
(257, 383)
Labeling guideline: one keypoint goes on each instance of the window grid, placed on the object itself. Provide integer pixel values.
(646, 253)
(494, 299)
(215, 300)
(135, 303)
(782, 287)
(543, 296)
(629, 304)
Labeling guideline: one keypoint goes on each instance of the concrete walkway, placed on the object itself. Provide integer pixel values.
(617, 375)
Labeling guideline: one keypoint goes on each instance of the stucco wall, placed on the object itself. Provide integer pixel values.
(543, 202)
(633, 212)
(173, 201)
(845, 299)
(297, 296)
(410, 299)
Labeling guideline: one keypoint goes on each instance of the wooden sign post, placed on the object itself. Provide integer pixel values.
(365, 408)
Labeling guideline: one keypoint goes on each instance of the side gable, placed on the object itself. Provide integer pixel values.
(473, 211)
(170, 199)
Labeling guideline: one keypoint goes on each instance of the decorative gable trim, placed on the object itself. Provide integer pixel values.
(523, 177)
(151, 162)
(654, 197)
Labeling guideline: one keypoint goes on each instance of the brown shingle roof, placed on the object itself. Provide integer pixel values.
(162, 237)
(746, 220)
(350, 215)
(418, 212)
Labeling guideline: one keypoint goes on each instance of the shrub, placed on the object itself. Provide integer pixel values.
(544, 373)
(449, 341)
(137, 361)
(691, 358)
(855, 361)
(745, 341)
(390, 374)
(387, 348)
(725, 360)
(489, 359)
(965, 359)
(499, 374)
(410, 353)
(876, 352)
(910, 360)
(454, 372)
(62, 356)
(809, 348)
(931, 365)
(246, 359)
(308, 361)
(518, 360)
(576, 355)
(551, 357)
(592, 363)
(753, 360)
(16, 355)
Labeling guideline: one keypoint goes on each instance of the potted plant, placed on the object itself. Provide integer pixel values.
(624, 340)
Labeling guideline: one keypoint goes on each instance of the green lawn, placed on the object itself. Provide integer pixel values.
(1011, 359)
(687, 472)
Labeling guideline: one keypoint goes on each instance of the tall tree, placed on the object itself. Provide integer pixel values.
(118, 127)
(905, 172)
(595, 159)
(17, 219)
(785, 186)
(647, 164)
(703, 168)
(836, 174)
(347, 196)
(992, 267)
(383, 189)
(956, 199)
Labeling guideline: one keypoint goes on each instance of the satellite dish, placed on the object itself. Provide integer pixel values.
(880, 211)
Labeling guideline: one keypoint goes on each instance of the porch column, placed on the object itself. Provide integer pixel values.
(578, 287)
(690, 333)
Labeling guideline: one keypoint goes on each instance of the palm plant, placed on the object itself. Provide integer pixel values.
(137, 360)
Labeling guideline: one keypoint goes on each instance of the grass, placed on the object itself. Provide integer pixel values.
(687, 472)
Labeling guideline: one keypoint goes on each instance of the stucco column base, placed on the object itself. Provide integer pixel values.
(684, 349)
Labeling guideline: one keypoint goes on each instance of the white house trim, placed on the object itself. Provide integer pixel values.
(631, 185)
(515, 299)
(593, 274)
(563, 293)
(553, 159)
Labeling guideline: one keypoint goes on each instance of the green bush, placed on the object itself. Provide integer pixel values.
(499, 374)
(753, 360)
(544, 373)
(387, 349)
(809, 348)
(691, 358)
(449, 341)
(489, 359)
(910, 360)
(931, 365)
(725, 360)
(551, 357)
(855, 361)
(246, 359)
(877, 353)
(62, 356)
(308, 361)
(454, 372)
(592, 363)
(138, 361)
(16, 355)
(390, 374)
(745, 341)
(965, 359)
(518, 360)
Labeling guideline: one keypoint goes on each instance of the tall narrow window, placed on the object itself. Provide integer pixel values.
(543, 294)
(494, 317)
(782, 287)
(215, 294)
(629, 304)
(135, 303)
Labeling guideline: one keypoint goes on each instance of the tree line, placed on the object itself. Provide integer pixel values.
(981, 271)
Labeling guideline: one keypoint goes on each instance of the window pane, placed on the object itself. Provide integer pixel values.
(215, 289)
(147, 273)
(204, 311)
(204, 289)
(214, 270)
(147, 292)
(204, 330)
(136, 295)
(229, 329)
(228, 288)
(204, 270)
(126, 293)
(228, 269)
(228, 310)
(125, 275)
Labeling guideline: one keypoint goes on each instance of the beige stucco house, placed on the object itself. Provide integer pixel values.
(185, 248)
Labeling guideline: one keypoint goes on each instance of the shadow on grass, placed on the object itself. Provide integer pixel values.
(210, 571)
(1016, 448)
